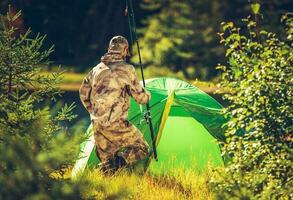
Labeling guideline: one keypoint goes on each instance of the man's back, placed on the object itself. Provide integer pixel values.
(110, 90)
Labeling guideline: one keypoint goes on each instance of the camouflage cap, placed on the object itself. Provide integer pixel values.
(117, 44)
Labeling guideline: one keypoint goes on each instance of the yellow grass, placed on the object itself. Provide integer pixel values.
(72, 81)
(185, 186)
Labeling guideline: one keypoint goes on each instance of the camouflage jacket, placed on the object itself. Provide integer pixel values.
(106, 90)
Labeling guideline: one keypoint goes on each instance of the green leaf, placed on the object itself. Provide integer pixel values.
(229, 51)
(255, 8)
(263, 32)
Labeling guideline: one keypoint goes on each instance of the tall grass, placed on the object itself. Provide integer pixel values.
(184, 185)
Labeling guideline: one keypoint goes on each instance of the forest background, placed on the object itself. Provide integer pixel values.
(177, 38)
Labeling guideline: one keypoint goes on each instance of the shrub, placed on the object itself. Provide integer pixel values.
(34, 147)
(259, 78)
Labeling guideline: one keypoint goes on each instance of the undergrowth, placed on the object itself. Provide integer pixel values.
(183, 185)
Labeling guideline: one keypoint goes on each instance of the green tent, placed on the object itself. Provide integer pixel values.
(187, 124)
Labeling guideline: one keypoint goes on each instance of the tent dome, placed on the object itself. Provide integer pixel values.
(187, 124)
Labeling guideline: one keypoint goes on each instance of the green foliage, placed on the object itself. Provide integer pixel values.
(255, 8)
(181, 36)
(193, 24)
(182, 186)
(33, 144)
(259, 76)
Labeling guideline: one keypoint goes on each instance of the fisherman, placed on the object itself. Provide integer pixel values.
(105, 93)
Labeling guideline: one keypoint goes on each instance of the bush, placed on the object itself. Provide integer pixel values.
(35, 148)
(259, 78)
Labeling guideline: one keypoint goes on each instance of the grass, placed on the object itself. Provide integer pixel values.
(185, 186)
(72, 81)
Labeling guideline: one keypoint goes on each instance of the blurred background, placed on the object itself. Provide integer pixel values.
(177, 38)
(180, 36)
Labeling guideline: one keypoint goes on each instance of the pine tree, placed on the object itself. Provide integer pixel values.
(35, 148)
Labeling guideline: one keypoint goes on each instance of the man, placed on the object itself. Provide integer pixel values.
(105, 93)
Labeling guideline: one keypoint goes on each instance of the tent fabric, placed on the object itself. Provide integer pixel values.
(187, 123)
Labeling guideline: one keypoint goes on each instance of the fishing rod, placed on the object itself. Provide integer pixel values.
(133, 37)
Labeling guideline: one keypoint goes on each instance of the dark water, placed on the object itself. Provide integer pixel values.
(82, 118)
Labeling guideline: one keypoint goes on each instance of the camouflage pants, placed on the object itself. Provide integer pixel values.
(121, 137)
